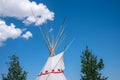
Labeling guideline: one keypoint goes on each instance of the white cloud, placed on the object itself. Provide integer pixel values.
(21, 9)
(9, 31)
(25, 10)
(51, 29)
(27, 35)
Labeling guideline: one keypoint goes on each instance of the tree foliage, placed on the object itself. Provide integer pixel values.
(91, 66)
(15, 72)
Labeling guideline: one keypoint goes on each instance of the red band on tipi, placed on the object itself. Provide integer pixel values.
(54, 72)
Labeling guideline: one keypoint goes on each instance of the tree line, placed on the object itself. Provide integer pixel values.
(91, 68)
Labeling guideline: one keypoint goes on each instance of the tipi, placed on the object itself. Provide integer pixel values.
(54, 67)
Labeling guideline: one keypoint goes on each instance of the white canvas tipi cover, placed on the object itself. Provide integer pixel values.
(53, 69)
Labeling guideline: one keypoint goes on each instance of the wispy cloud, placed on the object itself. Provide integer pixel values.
(10, 31)
(22, 9)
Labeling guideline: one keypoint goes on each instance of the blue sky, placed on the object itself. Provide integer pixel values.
(95, 23)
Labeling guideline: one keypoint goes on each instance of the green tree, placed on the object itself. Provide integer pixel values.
(15, 72)
(91, 66)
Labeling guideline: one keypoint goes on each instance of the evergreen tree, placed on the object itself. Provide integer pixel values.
(91, 67)
(15, 72)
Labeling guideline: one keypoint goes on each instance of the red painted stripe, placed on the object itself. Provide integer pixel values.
(50, 73)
